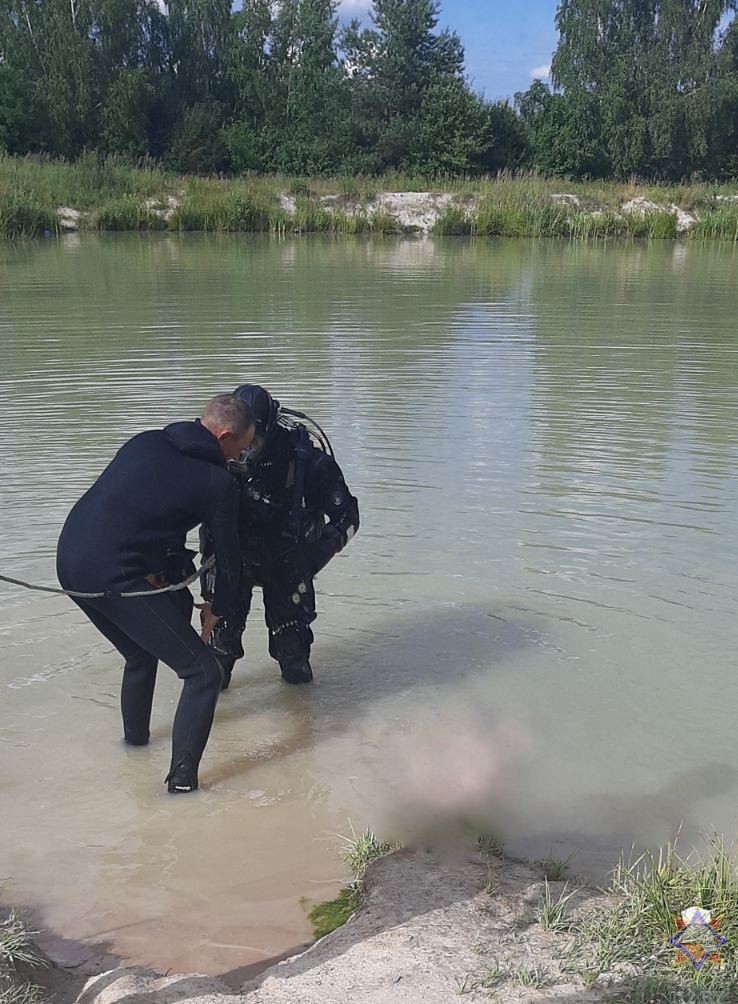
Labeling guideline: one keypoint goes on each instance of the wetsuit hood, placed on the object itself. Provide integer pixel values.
(193, 439)
(264, 406)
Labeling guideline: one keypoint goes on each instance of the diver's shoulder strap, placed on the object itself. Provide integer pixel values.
(302, 448)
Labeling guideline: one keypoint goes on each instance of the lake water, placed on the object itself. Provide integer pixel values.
(535, 630)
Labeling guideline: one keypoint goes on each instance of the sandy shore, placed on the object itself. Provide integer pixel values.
(429, 929)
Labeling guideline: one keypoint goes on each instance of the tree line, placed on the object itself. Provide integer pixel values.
(270, 87)
(646, 87)
(642, 87)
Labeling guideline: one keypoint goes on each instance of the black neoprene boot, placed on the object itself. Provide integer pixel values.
(298, 671)
(131, 739)
(182, 777)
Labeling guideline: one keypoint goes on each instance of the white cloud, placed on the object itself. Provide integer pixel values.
(541, 72)
(353, 7)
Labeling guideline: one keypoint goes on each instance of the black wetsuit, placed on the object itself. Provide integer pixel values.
(131, 523)
(292, 489)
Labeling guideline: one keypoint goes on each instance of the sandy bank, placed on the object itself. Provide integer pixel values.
(427, 931)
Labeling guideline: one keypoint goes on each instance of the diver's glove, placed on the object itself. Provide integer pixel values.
(327, 546)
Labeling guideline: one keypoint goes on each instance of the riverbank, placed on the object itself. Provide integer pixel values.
(472, 924)
(41, 197)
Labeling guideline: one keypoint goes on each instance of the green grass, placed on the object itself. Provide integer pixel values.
(490, 846)
(85, 184)
(532, 977)
(649, 894)
(552, 913)
(298, 186)
(489, 979)
(359, 852)
(23, 215)
(720, 222)
(454, 222)
(358, 189)
(656, 990)
(12, 992)
(554, 869)
(114, 194)
(328, 917)
(18, 954)
(125, 213)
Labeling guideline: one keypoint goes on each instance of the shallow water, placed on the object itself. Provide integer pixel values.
(534, 631)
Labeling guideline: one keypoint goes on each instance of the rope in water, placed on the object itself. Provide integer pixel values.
(112, 595)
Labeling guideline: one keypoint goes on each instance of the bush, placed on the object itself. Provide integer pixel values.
(245, 147)
(240, 213)
(197, 145)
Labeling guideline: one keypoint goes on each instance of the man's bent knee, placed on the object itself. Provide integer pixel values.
(204, 672)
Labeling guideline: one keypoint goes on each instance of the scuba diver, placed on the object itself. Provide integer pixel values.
(295, 515)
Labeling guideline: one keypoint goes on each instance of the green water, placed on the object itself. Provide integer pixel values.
(534, 631)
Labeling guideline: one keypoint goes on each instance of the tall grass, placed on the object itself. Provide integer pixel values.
(85, 184)
(23, 214)
(361, 849)
(114, 195)
(720, 222)
(125, 213)
(453, 222)
(650, 894)
(552, 913)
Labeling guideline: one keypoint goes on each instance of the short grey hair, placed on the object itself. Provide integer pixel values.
(226, 412)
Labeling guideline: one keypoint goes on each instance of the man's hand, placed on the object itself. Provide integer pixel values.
(208, 620)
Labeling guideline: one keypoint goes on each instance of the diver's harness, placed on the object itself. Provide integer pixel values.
(301, 446)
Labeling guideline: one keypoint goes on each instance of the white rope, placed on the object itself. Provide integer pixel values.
(111, 595)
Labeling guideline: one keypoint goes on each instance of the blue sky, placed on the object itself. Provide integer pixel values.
(506, 41)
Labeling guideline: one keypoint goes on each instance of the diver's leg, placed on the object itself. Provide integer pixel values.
(289, 611)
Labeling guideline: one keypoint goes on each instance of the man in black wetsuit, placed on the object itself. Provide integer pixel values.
(127, 534)
(296, 513)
